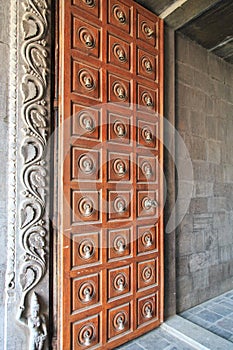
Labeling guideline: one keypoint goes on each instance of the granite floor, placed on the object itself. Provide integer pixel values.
(216, 315)
(157, 339)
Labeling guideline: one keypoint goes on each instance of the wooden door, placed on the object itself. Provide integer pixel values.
(111, 161)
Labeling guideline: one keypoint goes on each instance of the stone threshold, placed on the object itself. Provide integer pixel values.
(194, 335)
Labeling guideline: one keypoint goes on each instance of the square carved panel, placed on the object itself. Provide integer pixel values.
(85, 292)
(119, 205)
(119, 129)
(147, 309)
(90, 6)
(119, 167)
(147, 169)
(119, 243)
(147, 204)
(119, 282)
(147, 134)
(85, 164)
(147, 65)
(85, 80)
(119, 90)
(147, 274)
(147, 239)
(119, 319)
(119, 52)
(119, 15)
(86, 122)
(86, 333)
(85, 249)
(147, 30)
(147, 99)
(86, 206)
(86, 37)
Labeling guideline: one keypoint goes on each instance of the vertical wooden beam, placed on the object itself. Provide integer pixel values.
(169, 171)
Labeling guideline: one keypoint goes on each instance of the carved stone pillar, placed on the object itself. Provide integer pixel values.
(27, 275)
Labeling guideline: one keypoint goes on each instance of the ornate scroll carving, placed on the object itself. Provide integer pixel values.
(86, 206)
(147, 274)
(119, 14)
(86, 164)
(86, 249)
(147, 169)
(86, 79)
(147, 309)
(119, 53)
(89, 3)
(87, 121)
(33, 223)
(119, 128)
(119, 321)
(87, 335)
(147, 30)
(120, 91)
(120, 205)
(119, 167)
(87, 38)
(87, 292)
(13, 82)
(120, 244)
(147, 239)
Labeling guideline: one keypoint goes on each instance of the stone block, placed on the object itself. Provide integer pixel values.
(202, 221)
(198, 261)
(225, 253)
(216, 204)
(214, 152)
(214, 256)
(211, 238)
(202, 81)
(228, 173)
(221, 129)
(197, 148)
(215, 67)
(198, 57)
(184, 244)
(197, 123)
(198, 205)
(216, 172)
(201, 171)
(182, 48)
(198, 242)
(209, 104)
(183, 119)
(185, 302)
(201, 279)
(185, 284)
(211, 127)
(185, 95)
(182, 266)
(203, 189)
(215, 274)
(185, 73)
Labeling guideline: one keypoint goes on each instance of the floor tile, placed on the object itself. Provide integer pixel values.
(209, 316)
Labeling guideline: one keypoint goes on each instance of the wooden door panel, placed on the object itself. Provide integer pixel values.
(111, 173)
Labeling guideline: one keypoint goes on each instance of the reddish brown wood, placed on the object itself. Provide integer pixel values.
(111, 161)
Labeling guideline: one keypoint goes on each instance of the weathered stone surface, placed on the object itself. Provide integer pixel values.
(198, 261)
(205, 110)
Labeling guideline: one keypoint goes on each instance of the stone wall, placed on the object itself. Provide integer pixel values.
(204, 118)
(4, 54)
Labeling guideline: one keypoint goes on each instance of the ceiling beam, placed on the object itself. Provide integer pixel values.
(187, 11)
(172, 8)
